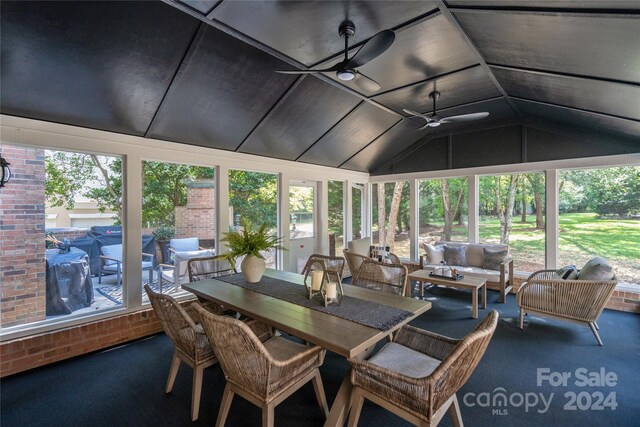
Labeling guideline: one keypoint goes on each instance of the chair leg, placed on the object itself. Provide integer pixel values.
(196, 389)
(173, 372)
(454, 411)
(595, 332)
(357, 400)
(268, 415)
(320, 396)
(596, 325)
(150, 276)
(521, 318)
(225, 404)
(99, 276)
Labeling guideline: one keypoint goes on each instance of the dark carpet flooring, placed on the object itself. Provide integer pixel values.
(125, 386)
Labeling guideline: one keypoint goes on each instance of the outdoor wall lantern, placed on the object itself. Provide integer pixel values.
(6, 172)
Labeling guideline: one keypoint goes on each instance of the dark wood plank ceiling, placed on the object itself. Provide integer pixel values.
(203, 72)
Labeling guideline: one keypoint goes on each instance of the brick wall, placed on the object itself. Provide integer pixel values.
(197, 219)
(22, 216)
(624, 300)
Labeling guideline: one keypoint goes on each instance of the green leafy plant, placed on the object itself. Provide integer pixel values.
(164, 232)
(249, 241)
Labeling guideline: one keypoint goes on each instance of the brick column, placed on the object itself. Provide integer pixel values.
(197, 219)
(22, 220)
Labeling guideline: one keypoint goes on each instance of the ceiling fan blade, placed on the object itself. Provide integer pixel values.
(366, 83)
(373, 48)
(464, 118)
(335, 67)
(423, 127)
(414, 113)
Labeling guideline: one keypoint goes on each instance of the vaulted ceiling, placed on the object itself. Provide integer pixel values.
(203, 72)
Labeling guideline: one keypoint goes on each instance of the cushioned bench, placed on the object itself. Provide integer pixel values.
(489, 261)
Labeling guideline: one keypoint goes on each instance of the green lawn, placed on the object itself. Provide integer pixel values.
(582, 236)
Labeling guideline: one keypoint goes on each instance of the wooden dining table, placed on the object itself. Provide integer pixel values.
(341, 336)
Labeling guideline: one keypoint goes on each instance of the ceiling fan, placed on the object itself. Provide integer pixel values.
(347, 69)
(434, 121)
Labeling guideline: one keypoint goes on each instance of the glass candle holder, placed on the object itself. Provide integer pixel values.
(332, 293)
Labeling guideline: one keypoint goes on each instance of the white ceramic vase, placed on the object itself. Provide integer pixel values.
(253, 268)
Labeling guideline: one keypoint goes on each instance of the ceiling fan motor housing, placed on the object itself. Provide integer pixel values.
(347, 29)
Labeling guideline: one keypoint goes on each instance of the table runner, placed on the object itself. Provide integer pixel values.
(366, 313)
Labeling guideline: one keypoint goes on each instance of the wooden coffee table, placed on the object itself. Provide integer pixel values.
(467, 282)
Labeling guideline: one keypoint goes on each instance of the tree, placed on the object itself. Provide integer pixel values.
(393, 214)
(615, 191)
(382, 235)
(536, 180)
(254, 196)
(505, 207)
(99, 178)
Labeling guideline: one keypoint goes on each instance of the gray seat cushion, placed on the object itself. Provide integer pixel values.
(282, 349)
(488, 275)
(404, 360)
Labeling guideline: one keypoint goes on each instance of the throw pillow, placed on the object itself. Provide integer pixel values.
(434, 253)
(568, 272)
(493, 258)
(455, 255)
(596, 269)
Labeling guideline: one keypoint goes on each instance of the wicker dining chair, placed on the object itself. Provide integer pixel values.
(334, 265)
(189, 339)
(418, 375)
(381, 276)
(209, 268)
(263, 373)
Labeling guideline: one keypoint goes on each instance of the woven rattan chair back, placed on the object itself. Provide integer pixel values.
(243, 358)
(390, 278)
(455, 370)
(190, 342)
(176, 323)
(334, 265)
(209, 268)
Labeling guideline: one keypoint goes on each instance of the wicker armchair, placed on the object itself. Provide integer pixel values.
(381, 276)
(190, 341)
(354, 260)
(417, 376)
(579, 301)
(263, 373)
(334, 265)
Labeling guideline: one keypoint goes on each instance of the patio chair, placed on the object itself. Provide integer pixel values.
(381, 276)
(334, 265)
(263, 373)
(209, 268)
(182, 250)
(189, 339)
(111, 262)
(418, 375)
(580, 301)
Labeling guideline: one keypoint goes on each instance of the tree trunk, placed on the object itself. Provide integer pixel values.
(446, 206)
(506, 218)
(393, 214)
(523, 218)
(537, 197)
(381, 216)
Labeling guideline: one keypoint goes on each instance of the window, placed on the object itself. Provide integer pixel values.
(512, 211)
(178, 202)
(390, 217)
(336, 214)
(600, 216)
(301, 203)
(41, 206)
(443, 210)
(253, 197)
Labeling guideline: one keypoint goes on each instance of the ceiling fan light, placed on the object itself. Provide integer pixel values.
(346, 75)
(434, 124)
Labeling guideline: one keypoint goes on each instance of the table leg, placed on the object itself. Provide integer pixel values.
(474, 303)
(421, 284)
(484, 296)
(341, 404)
